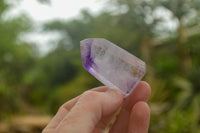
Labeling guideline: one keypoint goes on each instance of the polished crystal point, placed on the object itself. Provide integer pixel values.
(113, 66)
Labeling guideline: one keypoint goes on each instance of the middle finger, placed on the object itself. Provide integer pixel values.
(141, 93)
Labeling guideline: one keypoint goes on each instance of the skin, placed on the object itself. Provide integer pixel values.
(92, 112)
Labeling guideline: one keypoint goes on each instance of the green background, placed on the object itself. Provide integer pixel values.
(31, 84)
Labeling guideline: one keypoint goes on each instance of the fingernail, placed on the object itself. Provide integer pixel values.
(114, 93)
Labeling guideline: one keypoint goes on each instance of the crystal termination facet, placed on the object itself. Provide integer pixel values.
(113, 66)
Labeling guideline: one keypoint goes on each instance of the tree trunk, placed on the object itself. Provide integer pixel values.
(182, 51)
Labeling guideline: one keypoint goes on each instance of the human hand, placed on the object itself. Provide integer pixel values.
(93, 111)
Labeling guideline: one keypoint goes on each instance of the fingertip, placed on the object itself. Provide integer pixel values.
(145, 84)
(116, 96)
(115, 93)
(142, 92)
(141, 110)
(100, 89)
(140, 117)
(144, 88)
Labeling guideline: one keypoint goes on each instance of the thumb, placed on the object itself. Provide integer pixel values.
(89, 110)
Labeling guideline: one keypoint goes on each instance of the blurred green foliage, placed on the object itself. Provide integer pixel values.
(30, 83)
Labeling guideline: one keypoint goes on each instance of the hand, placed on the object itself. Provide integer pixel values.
(93, 111)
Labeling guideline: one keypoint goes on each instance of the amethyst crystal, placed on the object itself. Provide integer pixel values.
(112, 65)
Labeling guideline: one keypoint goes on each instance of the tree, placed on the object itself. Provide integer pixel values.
(15, 59)
(182, 11)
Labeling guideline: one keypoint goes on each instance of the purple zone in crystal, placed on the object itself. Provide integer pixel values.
(113, 66)
(88, 60)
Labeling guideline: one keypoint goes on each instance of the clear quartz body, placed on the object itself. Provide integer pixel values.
(113, 66)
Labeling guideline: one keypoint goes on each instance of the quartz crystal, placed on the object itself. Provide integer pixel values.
(113, 66)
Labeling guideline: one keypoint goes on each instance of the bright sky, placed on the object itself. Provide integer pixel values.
(58, 9)
(62, 9)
